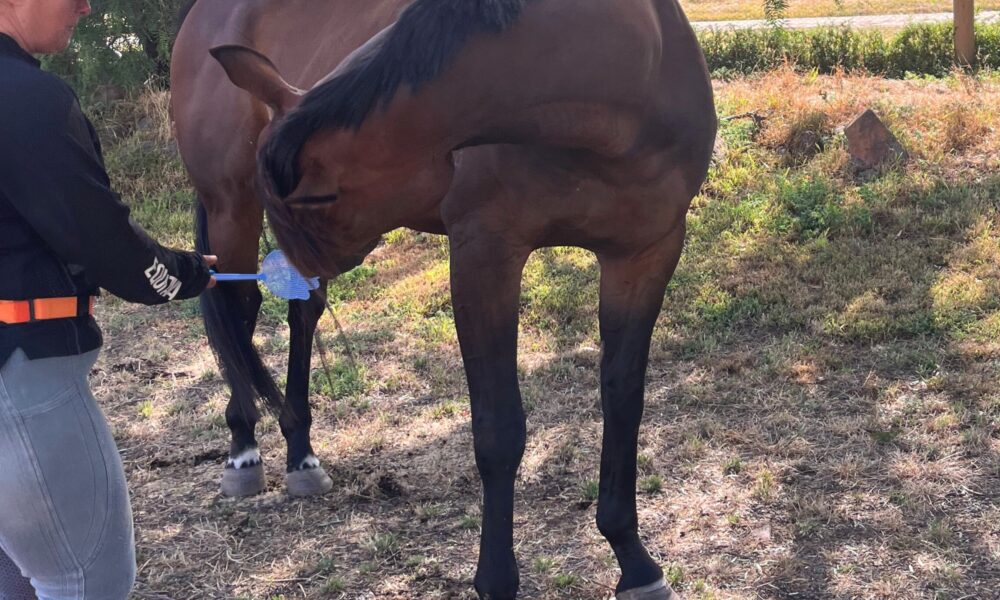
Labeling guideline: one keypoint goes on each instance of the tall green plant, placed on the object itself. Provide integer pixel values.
(123, 42)
(775, 12)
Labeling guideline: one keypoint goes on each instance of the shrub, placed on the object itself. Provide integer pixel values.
(924, 49)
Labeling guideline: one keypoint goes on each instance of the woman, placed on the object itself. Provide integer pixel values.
(65, 520)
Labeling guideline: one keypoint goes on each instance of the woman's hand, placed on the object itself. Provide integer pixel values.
(210, 260)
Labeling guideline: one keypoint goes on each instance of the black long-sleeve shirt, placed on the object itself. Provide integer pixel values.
(63, 231)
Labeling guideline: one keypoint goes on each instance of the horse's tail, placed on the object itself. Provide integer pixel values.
(230, 335)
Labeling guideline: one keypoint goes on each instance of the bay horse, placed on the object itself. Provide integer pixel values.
(509, 125)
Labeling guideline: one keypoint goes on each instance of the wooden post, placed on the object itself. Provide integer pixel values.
(965, 32)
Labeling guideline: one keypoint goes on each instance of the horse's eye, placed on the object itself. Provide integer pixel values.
(313, 201)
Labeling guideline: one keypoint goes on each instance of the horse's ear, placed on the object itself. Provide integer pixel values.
(255, 73)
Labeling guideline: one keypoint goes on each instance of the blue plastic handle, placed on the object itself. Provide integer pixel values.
(235, 277)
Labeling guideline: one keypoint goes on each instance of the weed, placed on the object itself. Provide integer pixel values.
(939, 533)
(447, 409)
(470, 522)
(426, 512)
(764, 486)
(414, 561)
(543, 565)
(382, 545)
(644, 462)
(674, 575)
(565, 580)
(652, 484)
(334, 585)
(146, 409)
(804, 137)
(324, 566)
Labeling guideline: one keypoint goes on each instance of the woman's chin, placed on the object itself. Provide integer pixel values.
(54, 47)
(63, 42)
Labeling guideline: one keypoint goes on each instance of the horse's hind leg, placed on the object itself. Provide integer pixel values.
(485, 280)
(304, 475)
(244, 472)
(231, 229)
(632, 289)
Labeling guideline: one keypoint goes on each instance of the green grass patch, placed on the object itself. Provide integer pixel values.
(347, 286)
(651, 485)
(343, 380)
(565, 580)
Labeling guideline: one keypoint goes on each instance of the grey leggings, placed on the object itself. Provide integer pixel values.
(65, 518)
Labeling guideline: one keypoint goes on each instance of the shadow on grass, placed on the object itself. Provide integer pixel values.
(854, 375)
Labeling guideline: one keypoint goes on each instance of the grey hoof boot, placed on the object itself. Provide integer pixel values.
(247, 481)
(308, 482)
(658, 590)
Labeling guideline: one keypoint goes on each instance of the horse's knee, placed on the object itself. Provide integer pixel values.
(499, 447)
(628, 385)
(622, 400)
(615, 521)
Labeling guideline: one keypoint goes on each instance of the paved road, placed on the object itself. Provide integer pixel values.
(858, 22)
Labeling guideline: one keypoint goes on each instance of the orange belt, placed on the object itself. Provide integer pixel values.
(14, 312)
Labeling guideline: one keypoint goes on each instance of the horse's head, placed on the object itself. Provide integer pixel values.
(331, 192)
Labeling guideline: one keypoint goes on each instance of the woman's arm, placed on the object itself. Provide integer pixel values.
(53, 175)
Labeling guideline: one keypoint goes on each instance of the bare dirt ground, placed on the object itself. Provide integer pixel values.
(823, 416)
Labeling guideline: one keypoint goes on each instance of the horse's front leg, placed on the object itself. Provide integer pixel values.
(486, 282)
(304, 476)
(632, 289)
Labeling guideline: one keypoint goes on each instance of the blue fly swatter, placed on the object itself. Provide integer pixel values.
(279, 276)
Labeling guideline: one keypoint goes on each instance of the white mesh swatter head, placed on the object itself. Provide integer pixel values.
(283, 280)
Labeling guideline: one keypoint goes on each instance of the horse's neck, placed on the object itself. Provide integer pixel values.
(577, 80)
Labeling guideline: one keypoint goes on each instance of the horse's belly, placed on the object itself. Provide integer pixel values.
(549, 197)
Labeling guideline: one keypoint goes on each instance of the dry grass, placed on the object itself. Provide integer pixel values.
(724, 10)
(823, 419)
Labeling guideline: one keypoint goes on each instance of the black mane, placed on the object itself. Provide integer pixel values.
(182, 15)
(422, 43)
